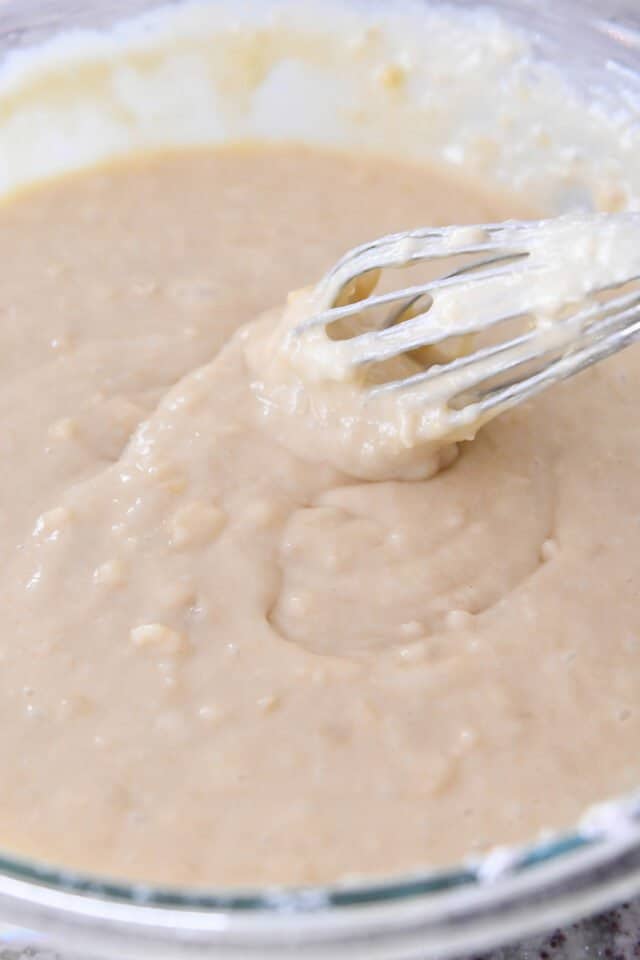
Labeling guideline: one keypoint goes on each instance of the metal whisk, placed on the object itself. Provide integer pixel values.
(522, 305)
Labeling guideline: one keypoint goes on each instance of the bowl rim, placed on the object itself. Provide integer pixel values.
(439, 912)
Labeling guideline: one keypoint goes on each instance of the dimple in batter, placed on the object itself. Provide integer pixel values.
(224, 663)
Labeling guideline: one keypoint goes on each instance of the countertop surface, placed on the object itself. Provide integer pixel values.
(614, 935)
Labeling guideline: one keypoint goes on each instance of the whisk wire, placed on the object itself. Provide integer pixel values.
(568, 277)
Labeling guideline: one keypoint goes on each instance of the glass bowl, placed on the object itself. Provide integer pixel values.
(425, 915)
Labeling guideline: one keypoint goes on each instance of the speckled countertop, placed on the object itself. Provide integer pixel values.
(614, 935)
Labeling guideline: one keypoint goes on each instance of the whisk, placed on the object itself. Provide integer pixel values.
(522, 305)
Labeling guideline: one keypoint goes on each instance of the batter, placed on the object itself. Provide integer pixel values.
(225, 663)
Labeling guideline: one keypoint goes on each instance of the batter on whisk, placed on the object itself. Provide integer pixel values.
(539, 301)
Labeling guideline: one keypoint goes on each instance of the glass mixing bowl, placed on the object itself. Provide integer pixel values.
(437, 914)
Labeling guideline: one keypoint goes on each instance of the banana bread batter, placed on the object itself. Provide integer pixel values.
(225, 663)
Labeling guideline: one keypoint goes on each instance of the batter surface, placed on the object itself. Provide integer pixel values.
(223, 663)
